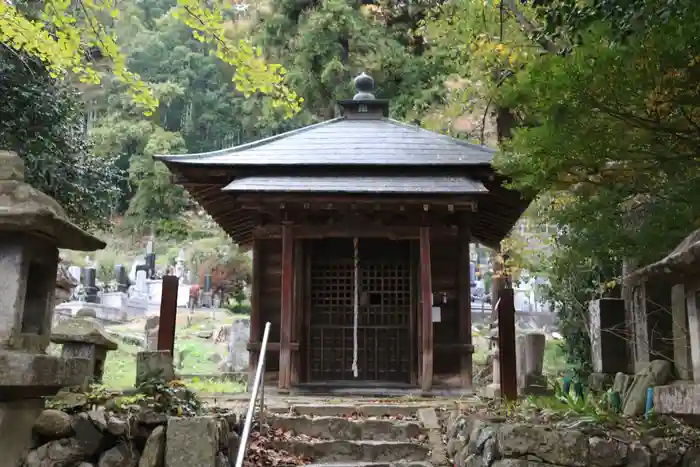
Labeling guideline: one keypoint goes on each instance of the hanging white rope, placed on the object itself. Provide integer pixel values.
(356, 305)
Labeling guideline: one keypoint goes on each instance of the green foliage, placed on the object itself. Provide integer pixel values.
(608, 136)
(68, 36)
(169, 397)
(154, 394)
(198, 110)
(567, 408)
(566, 21)
(41, 119)
(324, 44)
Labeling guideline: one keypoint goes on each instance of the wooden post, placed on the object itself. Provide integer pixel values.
(168, 314)
(255, 324)
(506, 344)
(297, 317)
(681, 342)
(464, 299)
(694, 332)
(426, 298)
(286, 306)
(640, 327)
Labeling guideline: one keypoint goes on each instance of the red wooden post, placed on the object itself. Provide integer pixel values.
(255, 328)
(426, 297)
(464, 293)
(506, 344)
(286, 306)
(168, 314)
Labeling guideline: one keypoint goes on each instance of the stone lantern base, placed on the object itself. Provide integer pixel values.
(25, 379)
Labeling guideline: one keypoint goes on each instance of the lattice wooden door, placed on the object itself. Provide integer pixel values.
(384, 337)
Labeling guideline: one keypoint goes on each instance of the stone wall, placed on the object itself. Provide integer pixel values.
(479, 441)
(105, 439)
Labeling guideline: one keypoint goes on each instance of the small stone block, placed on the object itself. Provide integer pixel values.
(677, 399)
(492, 391)
(154, 364)
(191, 442)
(428, 418)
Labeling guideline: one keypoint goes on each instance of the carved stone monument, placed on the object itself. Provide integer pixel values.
(530, 360)
(33, 226)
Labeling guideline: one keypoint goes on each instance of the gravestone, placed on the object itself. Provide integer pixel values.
(530, 361)
(154, 364)
(139, 291)
(151, 332)
(89, 275)
(239, 335)
(180, 265)
(150, 259)
(75, 272)
(122, 278)
(33, 226)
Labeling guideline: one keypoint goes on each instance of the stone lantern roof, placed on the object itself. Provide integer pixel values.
(82, 330)
(27, 210)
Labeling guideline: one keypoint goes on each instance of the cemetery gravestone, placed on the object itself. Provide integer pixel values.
(239, 336)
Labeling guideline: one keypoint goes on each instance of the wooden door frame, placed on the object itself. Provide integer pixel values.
(304, 307)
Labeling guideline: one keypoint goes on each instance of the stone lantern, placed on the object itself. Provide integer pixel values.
(84, 337)
(33, 226)
(493, 390)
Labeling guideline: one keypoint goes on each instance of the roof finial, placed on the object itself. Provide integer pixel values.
(364, 85)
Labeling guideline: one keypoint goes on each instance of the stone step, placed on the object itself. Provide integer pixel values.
(366, 410)
(373, 464)
(323, 451)
(340, 428)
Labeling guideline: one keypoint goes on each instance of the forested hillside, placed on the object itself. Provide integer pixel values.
(594, 105)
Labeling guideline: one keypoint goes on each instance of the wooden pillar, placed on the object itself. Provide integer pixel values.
(506, 344)
(286, 306)
(464, 299)
(640, 327)
(694, 331)
(255, 314)
(297, 317)
(426, 299)
(168, 314)
(681, 344)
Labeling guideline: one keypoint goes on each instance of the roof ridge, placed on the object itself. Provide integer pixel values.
(245, 146)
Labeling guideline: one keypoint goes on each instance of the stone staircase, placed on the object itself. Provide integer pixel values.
(360, 436)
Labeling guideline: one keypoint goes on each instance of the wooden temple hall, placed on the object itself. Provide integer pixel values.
(360, 228)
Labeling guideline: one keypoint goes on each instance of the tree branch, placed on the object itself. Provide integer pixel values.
(527, 26)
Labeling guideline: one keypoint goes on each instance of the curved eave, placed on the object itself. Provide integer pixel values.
(496, 215)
